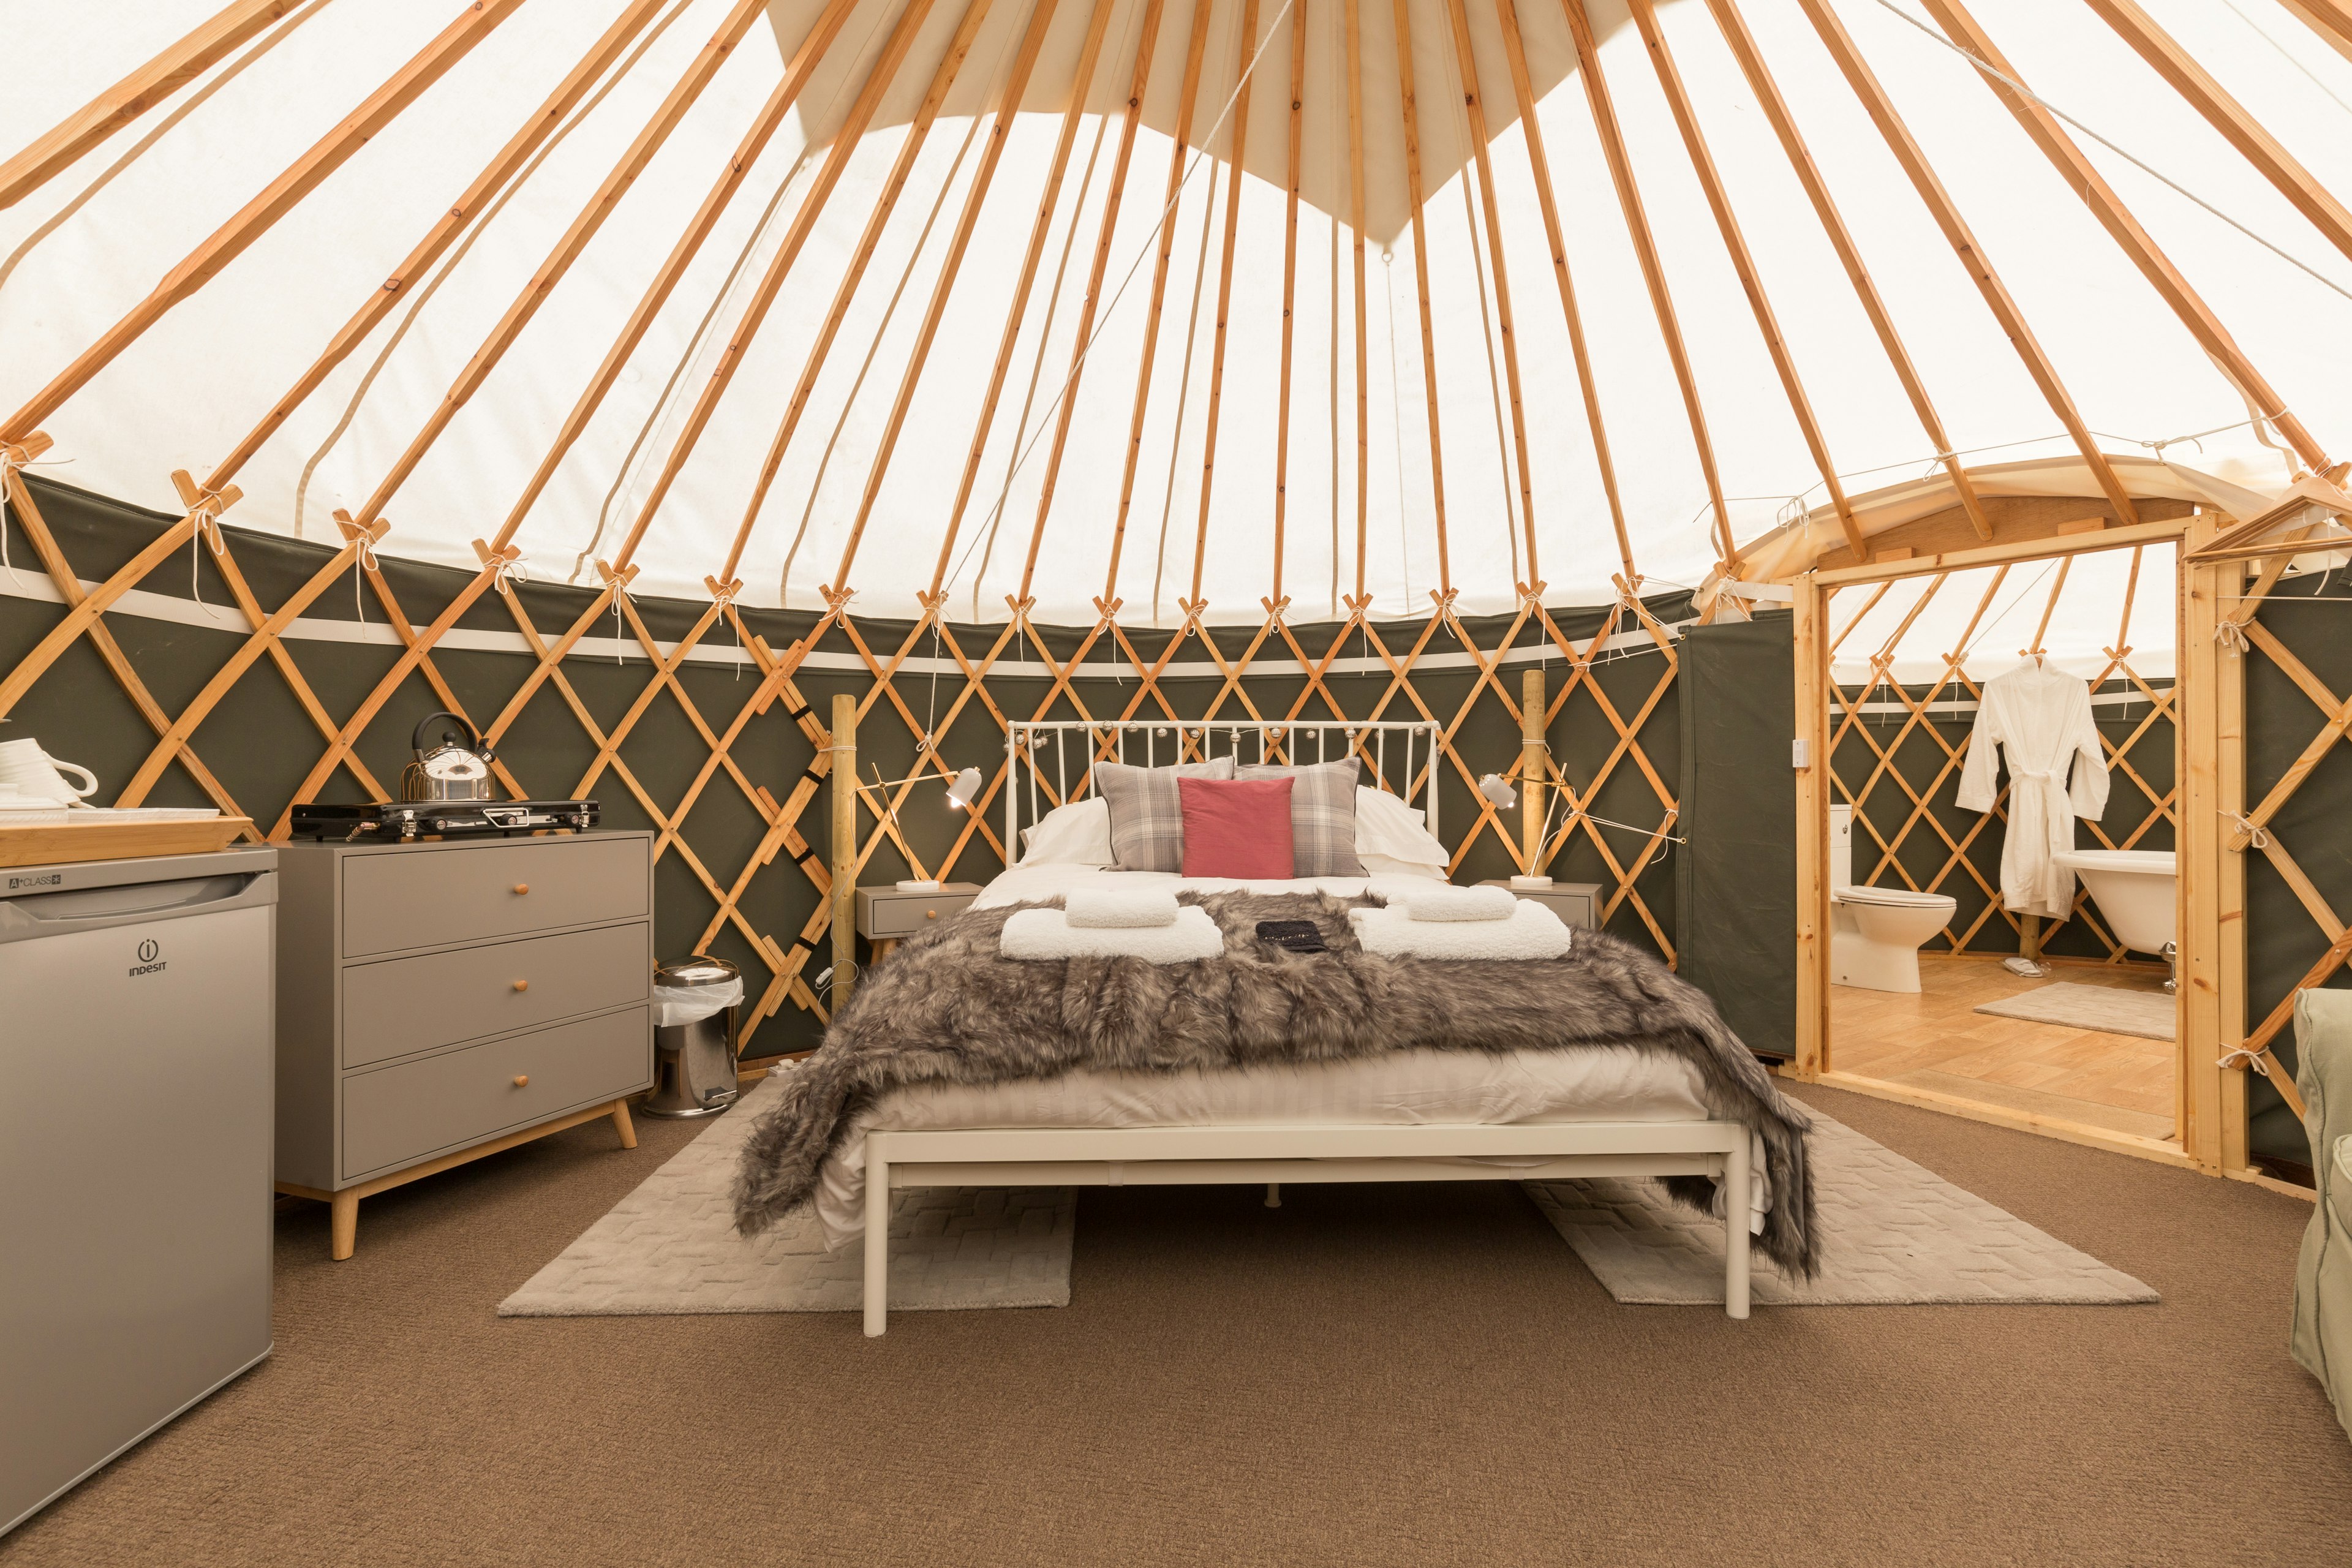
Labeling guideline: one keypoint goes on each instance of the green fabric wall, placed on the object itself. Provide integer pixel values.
(260, 744)
(2312, 616)
(1736, 881)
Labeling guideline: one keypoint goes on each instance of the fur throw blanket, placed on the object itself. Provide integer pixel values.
(949, 1008)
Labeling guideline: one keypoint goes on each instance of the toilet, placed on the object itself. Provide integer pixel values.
(1876, 933)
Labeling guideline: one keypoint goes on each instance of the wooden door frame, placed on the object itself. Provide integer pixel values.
(2210, 1119)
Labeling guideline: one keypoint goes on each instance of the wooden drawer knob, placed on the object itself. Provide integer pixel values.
(522, 1080)
(522, 888)
(522, 985)
(931, 914)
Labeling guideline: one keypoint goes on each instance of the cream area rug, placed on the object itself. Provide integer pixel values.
(671, 1246)
(2147, 1014)
(1892, 1233)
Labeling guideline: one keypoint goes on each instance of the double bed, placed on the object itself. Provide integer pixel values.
(956, 1066)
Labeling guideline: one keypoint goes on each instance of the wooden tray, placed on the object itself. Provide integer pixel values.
(42, 844)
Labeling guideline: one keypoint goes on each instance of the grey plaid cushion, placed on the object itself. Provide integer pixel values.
(1322, 815)
(1146, 810)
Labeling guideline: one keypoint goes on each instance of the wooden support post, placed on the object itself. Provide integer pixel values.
(2029, 938)
(843, 750)
(2201, 855)
(2229, 787)
(1531, 766)
(1810, 603)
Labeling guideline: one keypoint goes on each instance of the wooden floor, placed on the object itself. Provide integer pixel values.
(1936, 1040)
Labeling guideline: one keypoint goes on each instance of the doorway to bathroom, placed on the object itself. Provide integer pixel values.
(1993, 808)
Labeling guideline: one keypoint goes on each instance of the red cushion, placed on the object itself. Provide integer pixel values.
(1234, 828)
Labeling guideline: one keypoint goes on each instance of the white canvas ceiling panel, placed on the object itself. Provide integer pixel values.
(88, 245)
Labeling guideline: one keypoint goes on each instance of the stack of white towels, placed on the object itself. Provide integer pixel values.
(1441, 921)
(1114, 922)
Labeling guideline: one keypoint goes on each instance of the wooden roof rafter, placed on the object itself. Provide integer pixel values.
(2084, 177)
(1236, 150)
(1032, 42)
(1130, 120)
(797, 71)
(476, 22)
(1474, 105)
(2194, 83)
(1073, 114)
(1445, 592)
(1645, 248)
(1539, 167)
(1766, 93)
(1179, 149)
(1350, 21)
(156, 81)
(448, 225)
(567, 249)
(1292, 166)
(1734, 244)
(1965, 246)
(878, 220)
(845, 141)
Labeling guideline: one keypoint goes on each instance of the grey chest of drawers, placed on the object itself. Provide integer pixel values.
(438, 1002)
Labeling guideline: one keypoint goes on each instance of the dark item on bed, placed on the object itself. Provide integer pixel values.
(949, 1008)
(1293, 936)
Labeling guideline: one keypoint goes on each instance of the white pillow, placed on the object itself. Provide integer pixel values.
(1381, 865)
(1073, 835)
(1387, 827)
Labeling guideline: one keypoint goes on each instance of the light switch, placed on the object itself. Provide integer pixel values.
(1799, 752)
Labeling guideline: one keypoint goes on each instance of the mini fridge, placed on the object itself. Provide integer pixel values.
(137, 1078)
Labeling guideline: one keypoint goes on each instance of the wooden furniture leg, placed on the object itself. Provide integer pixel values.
(343, 1224)
(623, 1125)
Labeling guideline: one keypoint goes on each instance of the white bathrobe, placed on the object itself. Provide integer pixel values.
(2043, 717)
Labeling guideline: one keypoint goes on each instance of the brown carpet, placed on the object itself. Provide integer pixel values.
(1365, 1375)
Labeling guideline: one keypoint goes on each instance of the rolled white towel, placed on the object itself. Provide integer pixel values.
(1121, 906)
(1533, 931)
(1044, 934)
(1445, 901)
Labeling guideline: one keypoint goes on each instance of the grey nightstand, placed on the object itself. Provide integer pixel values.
(1576, 903)
(886, 916)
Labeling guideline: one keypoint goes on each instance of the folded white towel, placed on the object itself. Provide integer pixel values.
(1445, 901)
(1048, 934)
(1532, 932)
(1112, 908)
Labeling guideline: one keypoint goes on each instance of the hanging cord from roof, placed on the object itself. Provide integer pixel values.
(2151, 170)
(1272, 29)
(2289, 56)
(889, 312)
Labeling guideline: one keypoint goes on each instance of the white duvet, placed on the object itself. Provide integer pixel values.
(1589, 1083)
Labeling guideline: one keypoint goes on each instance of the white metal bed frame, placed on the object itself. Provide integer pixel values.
(1169, 1156)
(1279, 741)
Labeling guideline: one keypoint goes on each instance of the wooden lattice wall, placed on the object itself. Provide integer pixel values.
(1897, 761)
(2298, 793)
(202, 698)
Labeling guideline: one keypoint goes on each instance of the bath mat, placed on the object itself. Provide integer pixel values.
(2147, 1014)
(671, 1246)
(1892, 1233)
